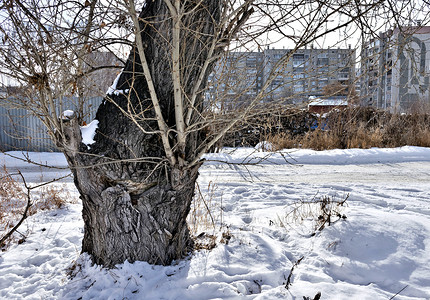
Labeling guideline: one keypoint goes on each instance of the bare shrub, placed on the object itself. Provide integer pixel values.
(12, 204)
(16, 204)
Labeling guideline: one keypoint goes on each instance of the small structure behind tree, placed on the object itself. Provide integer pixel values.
(322, 106)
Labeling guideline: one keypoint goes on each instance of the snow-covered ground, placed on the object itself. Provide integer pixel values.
(381, 249)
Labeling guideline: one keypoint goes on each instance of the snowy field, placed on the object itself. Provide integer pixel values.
(380, 251)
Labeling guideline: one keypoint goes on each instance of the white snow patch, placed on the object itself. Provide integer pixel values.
(67, 114)
(333, 157)
(88, 132)
(112, 89)
(380, 249)
(264, 146)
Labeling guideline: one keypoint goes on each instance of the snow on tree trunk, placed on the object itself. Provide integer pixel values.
(135, 202)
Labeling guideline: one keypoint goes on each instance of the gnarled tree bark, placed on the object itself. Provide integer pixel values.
(135, 201)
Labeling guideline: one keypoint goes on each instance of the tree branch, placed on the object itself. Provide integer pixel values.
(24, 215)
(176, 77)
(155, 102)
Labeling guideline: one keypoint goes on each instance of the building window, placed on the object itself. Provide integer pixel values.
(322, 61)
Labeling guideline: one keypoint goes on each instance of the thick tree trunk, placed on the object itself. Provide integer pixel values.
(126, 218)
(135, 202)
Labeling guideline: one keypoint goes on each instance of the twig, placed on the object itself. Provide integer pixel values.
(28, 160)
(399, 291)
(286, 160)
(48, 182)
(291, 272)
(8, 175)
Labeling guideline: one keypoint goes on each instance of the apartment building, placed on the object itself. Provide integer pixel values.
(308, 72)
(283, 74)
(239, 76)
(395, 69)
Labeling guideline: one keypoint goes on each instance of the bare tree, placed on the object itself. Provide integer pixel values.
(137, 180)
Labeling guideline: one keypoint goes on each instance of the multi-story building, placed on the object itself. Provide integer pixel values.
(395, 69)
(309, 72)
(283, 74)
(237, 77)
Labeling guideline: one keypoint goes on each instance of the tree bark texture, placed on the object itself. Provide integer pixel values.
(135, 203)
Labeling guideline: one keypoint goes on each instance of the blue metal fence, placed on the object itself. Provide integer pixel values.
(21, 130)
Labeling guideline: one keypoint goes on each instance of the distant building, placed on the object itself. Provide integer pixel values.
(357, 82)
(305, 72)
(309, 72)
(395, 69)
(238, 76)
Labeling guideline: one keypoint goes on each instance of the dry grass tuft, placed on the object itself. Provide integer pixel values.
(51, 197)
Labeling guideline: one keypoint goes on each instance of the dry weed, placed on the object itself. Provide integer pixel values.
(15, 199)
(357, 128)
(12, 203)
(283, 140)
(313, 215)
(423, 137)
(320, 140)
(205, 218)
(365, 138)
(200, 218)
(51, 197)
